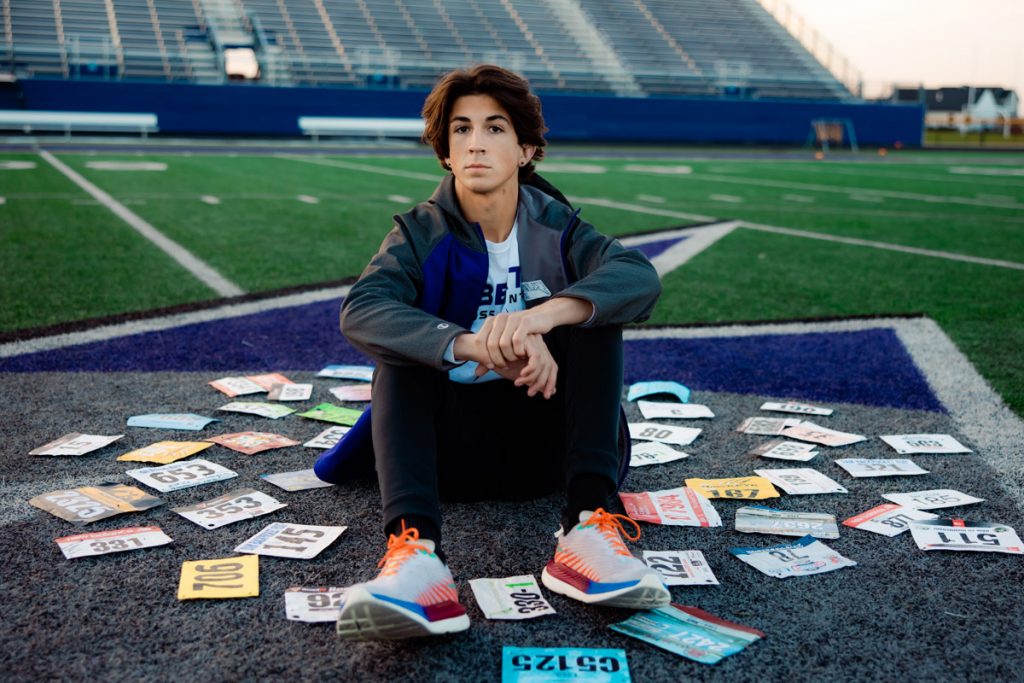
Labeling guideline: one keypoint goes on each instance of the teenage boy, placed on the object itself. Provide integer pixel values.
(494, 315)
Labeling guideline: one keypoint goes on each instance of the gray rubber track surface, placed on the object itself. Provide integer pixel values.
(901, 614)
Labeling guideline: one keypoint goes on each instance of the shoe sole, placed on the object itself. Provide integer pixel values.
(648, 593)
(365, 617)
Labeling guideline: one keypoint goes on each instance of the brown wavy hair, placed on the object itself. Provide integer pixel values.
(512, 92)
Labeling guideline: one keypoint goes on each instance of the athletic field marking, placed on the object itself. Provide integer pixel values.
(883, 245)
(881, 172)
(126, 165)
(892, 194)
(653, 199)
(127, 329)
(798, 198)
(308, 199)
(866, 198)
(657, 170)
(811, 235)
(806, 210)
(636, 208)
(982, 170)
(185, 258)
(17, 165)
(334, 163)
(728, 198)
(45, 195)
(977, 410)
(698, 239)
(399, 199)
(210, 199)
(3, 200)
(590, 169)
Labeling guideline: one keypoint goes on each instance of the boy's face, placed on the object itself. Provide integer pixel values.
(483, 150)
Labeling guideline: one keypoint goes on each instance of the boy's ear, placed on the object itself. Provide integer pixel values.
(528, 152)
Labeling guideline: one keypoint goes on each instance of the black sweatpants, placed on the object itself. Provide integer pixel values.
(434, 438)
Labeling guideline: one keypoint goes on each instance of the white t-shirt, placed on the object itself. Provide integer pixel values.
(501, 294)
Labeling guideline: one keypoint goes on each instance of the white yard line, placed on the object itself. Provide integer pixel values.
(811, 235)
(820, 210)
(978, 411)
(887, 246)
(937, 199)
(134, 327)
(882, 172)
(200, 269)
(352, 166)
(637, 208)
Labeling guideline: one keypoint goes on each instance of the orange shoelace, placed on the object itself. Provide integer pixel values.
(610, 526)
(400, 548)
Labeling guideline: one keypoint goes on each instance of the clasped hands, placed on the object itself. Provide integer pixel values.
(512, 345)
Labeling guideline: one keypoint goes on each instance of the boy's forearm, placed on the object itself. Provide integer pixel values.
(565, 310)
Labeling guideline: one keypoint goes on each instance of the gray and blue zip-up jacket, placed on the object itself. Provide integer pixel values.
(422, 288)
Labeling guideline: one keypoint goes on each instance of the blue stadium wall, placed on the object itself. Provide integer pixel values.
(252, 110)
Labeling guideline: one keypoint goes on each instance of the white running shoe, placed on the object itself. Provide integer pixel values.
(593, 565)
(414, 595)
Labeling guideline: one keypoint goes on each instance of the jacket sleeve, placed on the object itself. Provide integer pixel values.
(380, 318)
(621, 283)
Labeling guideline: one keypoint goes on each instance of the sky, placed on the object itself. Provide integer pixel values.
(934, 42)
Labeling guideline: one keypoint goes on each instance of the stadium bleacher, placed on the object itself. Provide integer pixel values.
(637, 48)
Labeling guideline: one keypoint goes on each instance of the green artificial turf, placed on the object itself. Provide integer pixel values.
(65, 260)
(756, 276)
(261, 235)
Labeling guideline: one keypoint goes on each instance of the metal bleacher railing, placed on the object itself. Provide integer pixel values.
(634, 47)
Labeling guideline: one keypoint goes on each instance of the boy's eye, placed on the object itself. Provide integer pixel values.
(497, 129)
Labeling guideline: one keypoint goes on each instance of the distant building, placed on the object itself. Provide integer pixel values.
(965, 107)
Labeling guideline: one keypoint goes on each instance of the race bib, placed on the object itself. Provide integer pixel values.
(230, 577)
(672, 507)
(115, 541)
(958, 534)
(680, 567)
(230, 508)
(314, 605)
(749, 488)
(803, 558)
(517, 597)
(179, 475)
(764, 520)
(801, 481)
(298, 541)
(887, 519)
